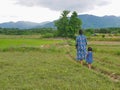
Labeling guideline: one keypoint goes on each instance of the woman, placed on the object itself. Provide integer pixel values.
(81, 43)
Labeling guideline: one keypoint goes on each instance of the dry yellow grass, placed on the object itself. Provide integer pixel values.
(105, 42)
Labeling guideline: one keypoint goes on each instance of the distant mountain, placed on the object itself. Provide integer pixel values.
(91, 21)
(88, 21)
(21, 24)
(46, 25)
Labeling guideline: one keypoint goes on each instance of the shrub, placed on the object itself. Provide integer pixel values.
(48, 35)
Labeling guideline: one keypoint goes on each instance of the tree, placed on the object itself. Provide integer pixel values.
(74, 24)
(63, 24)
(68, 27)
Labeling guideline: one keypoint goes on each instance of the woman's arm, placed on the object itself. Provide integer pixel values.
(76, 43)
(86, 40)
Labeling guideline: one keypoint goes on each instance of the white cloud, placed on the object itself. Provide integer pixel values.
(60, 5)
(12, 12)
(49, 10)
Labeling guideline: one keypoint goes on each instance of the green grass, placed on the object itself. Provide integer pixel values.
(7, 43)
(50, 67)
(20, 36)
(106, 58)
(48, 70)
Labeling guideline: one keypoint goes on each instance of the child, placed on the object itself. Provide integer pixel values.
(89, 57)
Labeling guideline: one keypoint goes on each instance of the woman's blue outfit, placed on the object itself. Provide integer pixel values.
(81, 43)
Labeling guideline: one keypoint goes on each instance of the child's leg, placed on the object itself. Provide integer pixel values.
(89, 65)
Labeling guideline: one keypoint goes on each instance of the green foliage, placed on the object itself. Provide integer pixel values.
(74, 24)
(89, 32)
(103, 36)
(68, 27)
(15, 31)
(48, 35)
(108, 30)
(63, 24)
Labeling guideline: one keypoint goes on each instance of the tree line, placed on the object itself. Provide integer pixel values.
(55, 32)
(112, 30)
(16, 31)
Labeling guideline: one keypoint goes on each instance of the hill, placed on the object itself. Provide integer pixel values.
(21, 24)
(89, 21)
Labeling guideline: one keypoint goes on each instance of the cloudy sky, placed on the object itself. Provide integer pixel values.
(49, 10)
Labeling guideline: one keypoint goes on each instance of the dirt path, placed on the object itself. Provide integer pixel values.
(114, 77)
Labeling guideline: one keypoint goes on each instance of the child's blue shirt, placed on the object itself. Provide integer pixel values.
(89, 58)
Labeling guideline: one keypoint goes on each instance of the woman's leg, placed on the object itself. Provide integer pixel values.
(81, 62)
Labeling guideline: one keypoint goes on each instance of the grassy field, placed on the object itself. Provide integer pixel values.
(49, 64)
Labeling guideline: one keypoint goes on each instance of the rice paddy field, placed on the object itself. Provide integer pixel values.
(33, 63)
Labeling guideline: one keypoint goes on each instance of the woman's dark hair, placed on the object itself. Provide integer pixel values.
(80, 32)
(89, 48)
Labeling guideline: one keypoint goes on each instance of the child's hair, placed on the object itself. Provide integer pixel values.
(89, 48)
